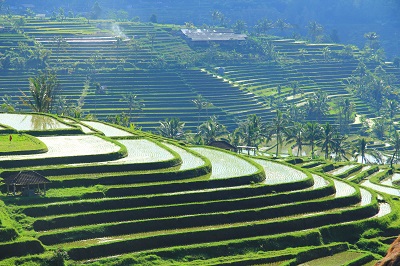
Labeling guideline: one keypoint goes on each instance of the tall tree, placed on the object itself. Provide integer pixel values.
(133, 103)
(279, 128)
(8, 104)
(240, 26)
(340, 147)
(379, 128)
(345, 109)
(395, 142)
(200, 103)
(391, 109)
(211, 130)
(372, 40)
(96, 11)
(317, 106)
(327, 139)
(362, 147)
(171, 128)
(99, 90)
(218, 16)
(315, 30)
(313, 133)
(303, 54)
(250, 131)
(326, 52)
(263, 26)
(295, 113)
(43, 89)
(282, 25)
(297, 135)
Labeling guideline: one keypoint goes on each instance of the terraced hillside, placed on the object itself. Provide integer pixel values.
(151, 61)
(139, 198)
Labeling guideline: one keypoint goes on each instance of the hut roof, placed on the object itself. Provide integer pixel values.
(26, 178)
(222, 144)
(196, 35)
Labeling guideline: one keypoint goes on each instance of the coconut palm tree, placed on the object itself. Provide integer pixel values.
(327, 139)
(313, 133)
(340, 147)
(372, 38)
(344, 109)
(263, 26)
(348, 108)
(278, 103)
(303, 53)
(60, 44)
(43, 90)
(99, 90)
(211, 130)
(133, 103)
(240, 26)
(295, 88)
(200, 103)
(250, 131)
(362, 147)
(379, 128)
(395, 141)
(297, 136)
(314, 30)
(171, 128)
(326, 53)
(317, 106)
(282, 25)
(279, 128)
(295, 113)
(218, 16)
(391, 108)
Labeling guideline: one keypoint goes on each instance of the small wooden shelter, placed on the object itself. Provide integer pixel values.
(28, 182)
(247, 148)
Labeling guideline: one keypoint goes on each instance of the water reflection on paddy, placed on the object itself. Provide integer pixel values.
(31, 122)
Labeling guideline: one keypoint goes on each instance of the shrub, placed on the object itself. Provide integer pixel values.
(58, 259)
(373, 245)
(371, 233)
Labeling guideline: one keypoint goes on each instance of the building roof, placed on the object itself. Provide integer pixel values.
(24, 178)
(196, 35)
(222, 144)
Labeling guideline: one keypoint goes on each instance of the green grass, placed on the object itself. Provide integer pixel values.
(334, 260)
(74, 191)
(20, 144)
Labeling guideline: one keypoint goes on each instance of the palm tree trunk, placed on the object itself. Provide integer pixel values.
(277, 148)
(326, 152)
(312, 150)
(391, 159)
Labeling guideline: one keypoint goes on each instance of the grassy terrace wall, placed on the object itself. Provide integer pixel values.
(91, 49)
(113, 151)
(192, 212)
(218, 234)
(263, 80)
(79, 224)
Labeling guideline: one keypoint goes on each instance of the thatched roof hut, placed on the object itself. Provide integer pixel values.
(222, 144)
(26, 180)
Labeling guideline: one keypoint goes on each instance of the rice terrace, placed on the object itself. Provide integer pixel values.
(199, 132)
